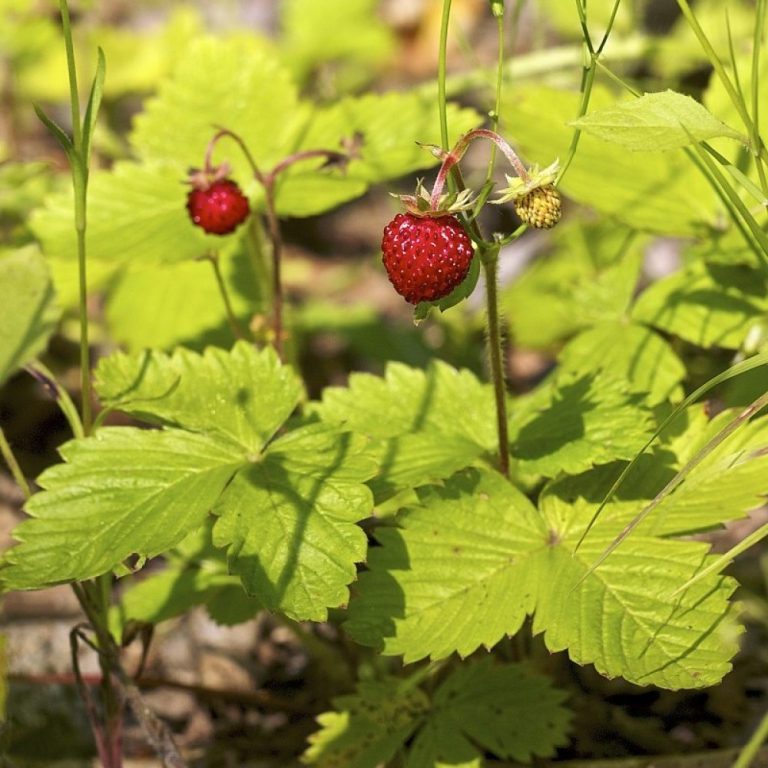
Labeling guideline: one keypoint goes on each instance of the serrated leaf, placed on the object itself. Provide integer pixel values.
(354, 38)
(165, 305)
(368, 727)
(454, 577)
(468, 565)
(243, 395)
(652, 192)
(631, 352)
(135, 214)
(428, 424)
(622, 618)
(655, 121)
(706, 305)
(391, 126)
(28, 314)
(237, 83)
(575, 421)
(91, 518)
(499, 708)
(289, 521)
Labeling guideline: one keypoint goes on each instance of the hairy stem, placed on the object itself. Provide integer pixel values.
(490, 259)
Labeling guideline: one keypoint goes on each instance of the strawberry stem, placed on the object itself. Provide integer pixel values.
(489, 258)
(452, 158)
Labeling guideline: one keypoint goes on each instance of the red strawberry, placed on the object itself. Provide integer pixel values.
(426, 257)
(218, 207)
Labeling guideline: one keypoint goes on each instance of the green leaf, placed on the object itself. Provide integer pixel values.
(355, 40)
(58, 133)
(166, 305)
(647, 191)
(236, 83)
(622, 618)
(28, 315)
(575, 421)
(499, 708)
(390, 125)
(196, 574)
(289, 521)
(655, 121)
(631, 352)
(244, 395)
(706, 305)
(136, 217)
(587, 276)
(455, 576)
(428, 424)
(369, 727)
(467, 566)
(91, 518)
(94, 102)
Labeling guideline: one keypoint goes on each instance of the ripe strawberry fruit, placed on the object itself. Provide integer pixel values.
(218, 207)
(426, 257)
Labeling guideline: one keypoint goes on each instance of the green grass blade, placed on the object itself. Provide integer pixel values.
(94, 102)
(736, 370)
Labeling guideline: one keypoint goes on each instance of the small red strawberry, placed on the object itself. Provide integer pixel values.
(218, 206)
(426, 256)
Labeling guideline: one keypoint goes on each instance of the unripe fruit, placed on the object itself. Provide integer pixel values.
(540, 208)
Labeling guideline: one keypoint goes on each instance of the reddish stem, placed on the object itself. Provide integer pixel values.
(453, 157)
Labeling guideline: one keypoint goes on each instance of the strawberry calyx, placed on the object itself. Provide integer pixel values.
(204, 178)
(422, 205)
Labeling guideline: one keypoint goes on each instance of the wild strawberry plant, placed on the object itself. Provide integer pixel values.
(428, 510)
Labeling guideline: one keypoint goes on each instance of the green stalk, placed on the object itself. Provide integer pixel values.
(758, 149)
(499, 84)
(79, 163)
(441, 70)
(213, 258)
(717, 65)
(10, 459)
(751, 748)
(490, 260)
(74, 97)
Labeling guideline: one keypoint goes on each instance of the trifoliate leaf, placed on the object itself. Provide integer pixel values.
(468, 565)
(575, 421)
(243, 395)
(367, 728)
(289, 521)
(455, 576)
(28, 315)
(631, 352)
(655, 121)
(499, 708)
(708, 306)
(428, 424)
(647, 191)
(124, 492)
